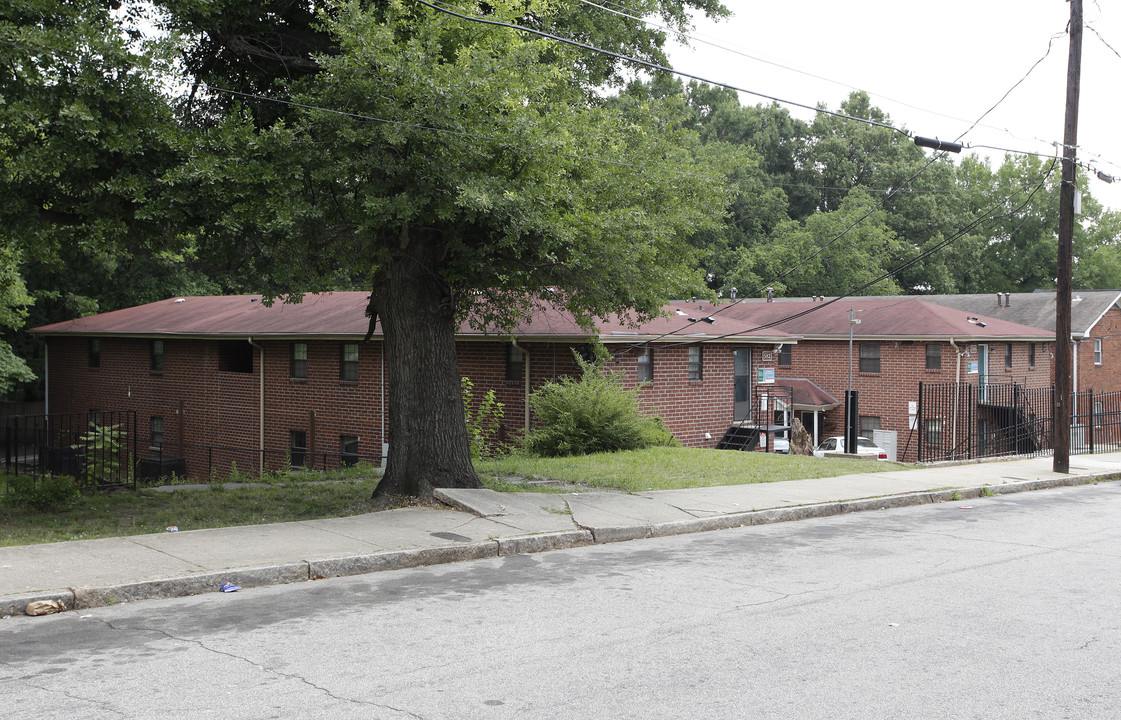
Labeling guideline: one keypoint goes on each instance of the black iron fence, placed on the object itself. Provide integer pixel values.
(101, 450)
(207, 463)
(958, 421)
(96, 448)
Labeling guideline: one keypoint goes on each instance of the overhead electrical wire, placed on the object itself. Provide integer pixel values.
(853, 291)
(741, 53)
(654, 66)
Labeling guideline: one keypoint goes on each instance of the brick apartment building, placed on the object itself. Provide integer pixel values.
(292, 383)
(297, 383)
(897, 343)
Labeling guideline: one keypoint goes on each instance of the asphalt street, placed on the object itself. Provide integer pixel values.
(1002, 607)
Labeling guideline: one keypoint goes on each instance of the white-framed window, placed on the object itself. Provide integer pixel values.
(933, 357)
(515, 363)
(646, 365)
(785, 355)
(933, 431)
(1097, 351)
(297, 447)
(696, 363)
(869, 357)
(155, 432)
(348, 362)
(299, 360)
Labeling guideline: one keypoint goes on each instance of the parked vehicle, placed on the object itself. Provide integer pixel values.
(864, 446)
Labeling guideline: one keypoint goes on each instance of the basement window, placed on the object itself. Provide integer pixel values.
(297, 448)
(348, 450)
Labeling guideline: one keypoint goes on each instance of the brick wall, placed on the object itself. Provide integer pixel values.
(1107, 375)
(204, 406)
(887, 394)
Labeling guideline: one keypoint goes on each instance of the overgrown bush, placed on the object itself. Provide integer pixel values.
(589, 414)
(483, 420)
(45, 494)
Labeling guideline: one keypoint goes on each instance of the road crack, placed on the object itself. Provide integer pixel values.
(262, 668)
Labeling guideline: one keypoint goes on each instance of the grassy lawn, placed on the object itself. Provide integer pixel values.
(305, 496)
(667, 469)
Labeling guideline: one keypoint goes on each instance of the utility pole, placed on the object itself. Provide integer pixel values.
(1061, 424)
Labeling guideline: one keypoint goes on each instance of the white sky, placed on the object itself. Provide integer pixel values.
(933, 67)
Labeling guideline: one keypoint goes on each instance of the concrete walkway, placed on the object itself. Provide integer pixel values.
(478, 524)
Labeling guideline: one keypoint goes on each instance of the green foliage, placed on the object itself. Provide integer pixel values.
(48, 493)
(101, 448)
(589, 414)
(483, 418)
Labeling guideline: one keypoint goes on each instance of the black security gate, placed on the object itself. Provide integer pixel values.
(957, 421)
(97, 448)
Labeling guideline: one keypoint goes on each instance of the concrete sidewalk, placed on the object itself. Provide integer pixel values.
(478, 524)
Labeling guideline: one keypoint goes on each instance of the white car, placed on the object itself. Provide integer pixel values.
(864, 446)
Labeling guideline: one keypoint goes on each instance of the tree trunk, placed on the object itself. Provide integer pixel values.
(428, 445)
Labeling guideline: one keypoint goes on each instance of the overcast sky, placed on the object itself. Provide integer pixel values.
(934, 67)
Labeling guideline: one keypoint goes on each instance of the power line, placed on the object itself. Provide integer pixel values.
(853, 291)
(741, 53)
(655, 66)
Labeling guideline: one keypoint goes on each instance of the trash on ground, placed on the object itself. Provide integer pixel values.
(171, 528)
(966, 507)
(230, 587)
(44, 607)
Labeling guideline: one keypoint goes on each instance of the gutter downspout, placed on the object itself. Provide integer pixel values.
(261, 407)
(525, 379)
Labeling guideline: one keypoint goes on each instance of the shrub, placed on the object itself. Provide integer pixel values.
(45, 494)
(483, 418)
(590, 414)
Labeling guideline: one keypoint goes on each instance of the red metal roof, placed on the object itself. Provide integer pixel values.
(889, 317)
(343, 314)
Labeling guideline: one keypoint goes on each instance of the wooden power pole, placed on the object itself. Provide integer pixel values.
(1063, 385)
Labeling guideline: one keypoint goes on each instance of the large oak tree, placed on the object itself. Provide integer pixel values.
(458, 170)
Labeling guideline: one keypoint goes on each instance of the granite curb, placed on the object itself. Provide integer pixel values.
(79, 598)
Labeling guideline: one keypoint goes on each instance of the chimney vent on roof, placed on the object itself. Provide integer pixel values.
(1000, 300)
(1007, 299)
(732, 293)
(770, 294)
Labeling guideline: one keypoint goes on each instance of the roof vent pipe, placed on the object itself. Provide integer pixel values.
(999, 300)
(770, 294)
(1007, 299)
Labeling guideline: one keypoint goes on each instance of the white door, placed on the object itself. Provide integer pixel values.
(982, 371)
